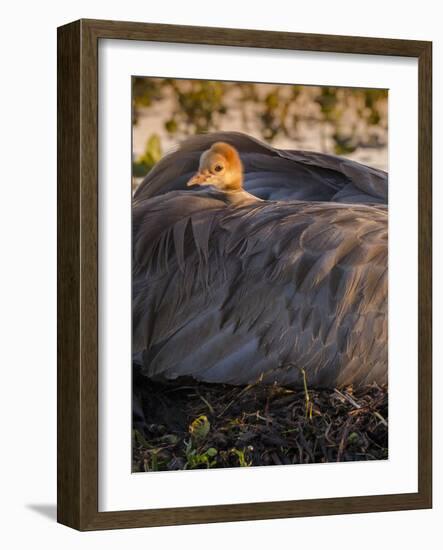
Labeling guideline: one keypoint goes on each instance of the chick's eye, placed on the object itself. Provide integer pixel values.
(218, 167)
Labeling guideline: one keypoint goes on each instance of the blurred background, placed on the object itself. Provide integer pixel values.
(352, 122)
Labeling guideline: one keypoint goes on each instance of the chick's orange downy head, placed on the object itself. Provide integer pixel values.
(221, 167)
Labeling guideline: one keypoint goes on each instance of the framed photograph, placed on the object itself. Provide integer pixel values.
(244, 275)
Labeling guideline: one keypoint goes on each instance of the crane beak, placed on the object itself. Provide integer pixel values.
(200, 178)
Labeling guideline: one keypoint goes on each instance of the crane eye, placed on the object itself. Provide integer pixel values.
(218, 168)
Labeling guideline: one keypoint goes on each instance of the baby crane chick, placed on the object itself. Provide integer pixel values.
(221, 167)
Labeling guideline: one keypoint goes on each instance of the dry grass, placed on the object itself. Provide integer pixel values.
(194, 425)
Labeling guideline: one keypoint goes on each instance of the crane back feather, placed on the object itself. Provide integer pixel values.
(273, 174)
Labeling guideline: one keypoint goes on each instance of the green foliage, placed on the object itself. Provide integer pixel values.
(151, 155)
(196, 106)
(240, 454)
(139, 439)
(196, 455)
(153, 456)
(199, 429)
(343, 143)
(145, 91)
(198, 459)
(328, 101)
(353, 438)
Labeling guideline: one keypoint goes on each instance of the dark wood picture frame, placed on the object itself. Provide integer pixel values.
(77, 274)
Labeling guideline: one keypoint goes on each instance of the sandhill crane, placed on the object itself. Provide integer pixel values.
(252, 263)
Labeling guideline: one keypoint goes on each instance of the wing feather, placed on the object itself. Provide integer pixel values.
(262, 290)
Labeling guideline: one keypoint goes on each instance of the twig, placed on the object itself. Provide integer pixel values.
(357, 406)
(379, 416)
(348, 398)
(243, 391)
(210, 407)
(307, 398)
(344, 437)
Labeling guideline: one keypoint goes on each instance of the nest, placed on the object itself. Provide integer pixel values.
(189, 424)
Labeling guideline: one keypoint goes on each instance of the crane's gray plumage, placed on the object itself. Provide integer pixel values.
(234, 291)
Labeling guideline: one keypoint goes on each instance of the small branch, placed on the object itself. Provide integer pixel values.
(348, 398)
(307, 398)
(210, 407)
(358, 406)
(379, 416)
(243, 391)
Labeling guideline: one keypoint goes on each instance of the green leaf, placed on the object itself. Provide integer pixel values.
(152, 154)
(171, 439)
(199, 428)
(353, 438)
